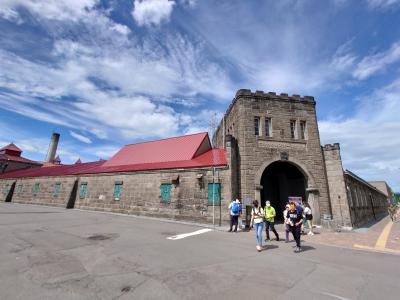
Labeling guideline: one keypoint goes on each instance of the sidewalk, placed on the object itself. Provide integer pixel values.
(383, 236)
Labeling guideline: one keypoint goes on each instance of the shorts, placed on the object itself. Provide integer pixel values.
(309, 217)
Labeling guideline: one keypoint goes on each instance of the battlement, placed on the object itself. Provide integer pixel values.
(329, 147)
(273, 96)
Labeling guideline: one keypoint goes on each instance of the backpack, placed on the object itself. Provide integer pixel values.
(235, 208)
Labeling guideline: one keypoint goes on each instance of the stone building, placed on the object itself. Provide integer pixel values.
(276, 155)
(384, 188)
(267, 147)
(180, 178)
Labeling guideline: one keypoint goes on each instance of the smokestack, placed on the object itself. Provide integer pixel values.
(53, 147)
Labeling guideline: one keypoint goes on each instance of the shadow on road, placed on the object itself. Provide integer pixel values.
(307, 248)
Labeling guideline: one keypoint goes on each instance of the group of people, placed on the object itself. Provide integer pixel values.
(294, 216)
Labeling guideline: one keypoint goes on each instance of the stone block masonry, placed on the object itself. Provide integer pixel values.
(140, 194)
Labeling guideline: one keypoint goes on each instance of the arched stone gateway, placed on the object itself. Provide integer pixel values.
(278, 180)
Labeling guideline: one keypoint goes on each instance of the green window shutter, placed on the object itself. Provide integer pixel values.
(117, 191)
(165, 192)
(36, 188)
(82, 190)
(217, 193)
(57, 189)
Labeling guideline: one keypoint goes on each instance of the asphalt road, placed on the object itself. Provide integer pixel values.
(53, 253)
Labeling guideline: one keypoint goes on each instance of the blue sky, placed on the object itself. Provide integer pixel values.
(108, 73)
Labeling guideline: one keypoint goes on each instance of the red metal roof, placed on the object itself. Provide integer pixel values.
(160, 151)
(11, 147)
(192, 151)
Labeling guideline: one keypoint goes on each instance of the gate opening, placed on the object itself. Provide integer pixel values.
(280, 181)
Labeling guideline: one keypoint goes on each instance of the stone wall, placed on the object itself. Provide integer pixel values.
(140, 193)
(337, 186)
(24, 190)
(365, 201)
(257, 152)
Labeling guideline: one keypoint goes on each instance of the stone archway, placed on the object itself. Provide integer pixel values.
(276, 180)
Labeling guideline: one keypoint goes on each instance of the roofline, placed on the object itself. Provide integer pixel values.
(27, 161)
(217, 166)
(347, 172)
(169, 138)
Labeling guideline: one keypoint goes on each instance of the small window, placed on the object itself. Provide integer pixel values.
(303, 129)
(214, 192)
(6, 189)
(165, 192)
(257, 126)
(36, 188)
(19, 188)
(117, 190)
(267, 127)
(82, 190)
(57, 189)
(293, 129)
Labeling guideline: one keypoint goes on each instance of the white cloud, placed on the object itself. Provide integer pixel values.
(383, 4)
(375, 63)
(152, 12)
(121, 28)
(80, 137)
(62, 10)
(370, 139)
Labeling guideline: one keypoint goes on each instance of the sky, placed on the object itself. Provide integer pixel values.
(109, 73)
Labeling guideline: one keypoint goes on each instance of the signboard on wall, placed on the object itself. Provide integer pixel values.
(296, 200)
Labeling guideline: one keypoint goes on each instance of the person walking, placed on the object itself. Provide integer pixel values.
(286, 222)
(234, 211)
(309, 217)
(240, 221)
(257, 221)
(270, 220)
(295, 215)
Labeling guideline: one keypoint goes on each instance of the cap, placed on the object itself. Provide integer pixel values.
(267, 202)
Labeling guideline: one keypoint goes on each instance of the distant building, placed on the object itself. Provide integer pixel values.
(384, 188)
(267, 148)
(11, 159)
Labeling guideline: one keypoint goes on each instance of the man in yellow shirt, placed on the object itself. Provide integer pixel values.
(270, 220)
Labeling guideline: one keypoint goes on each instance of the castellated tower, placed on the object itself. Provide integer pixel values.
(275, 150)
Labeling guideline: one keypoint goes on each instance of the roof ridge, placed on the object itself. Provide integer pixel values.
(170, 138)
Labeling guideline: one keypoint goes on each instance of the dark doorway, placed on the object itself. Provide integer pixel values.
(280, 181)
(10, 193)
(72, 197)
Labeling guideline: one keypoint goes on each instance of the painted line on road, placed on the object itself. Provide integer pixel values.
(335, 296)
(381, 242)
(374, 249)
(185, 235)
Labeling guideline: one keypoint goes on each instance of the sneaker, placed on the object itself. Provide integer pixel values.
(230, 230)
(298, 249)
(277, 239)
(258, 248)
(311, 233)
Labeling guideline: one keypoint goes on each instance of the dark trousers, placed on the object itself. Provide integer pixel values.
(270, 225)
(296, 233)
(234, 221)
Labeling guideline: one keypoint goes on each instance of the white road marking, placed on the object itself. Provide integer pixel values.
(185, 235)
(334, 296)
